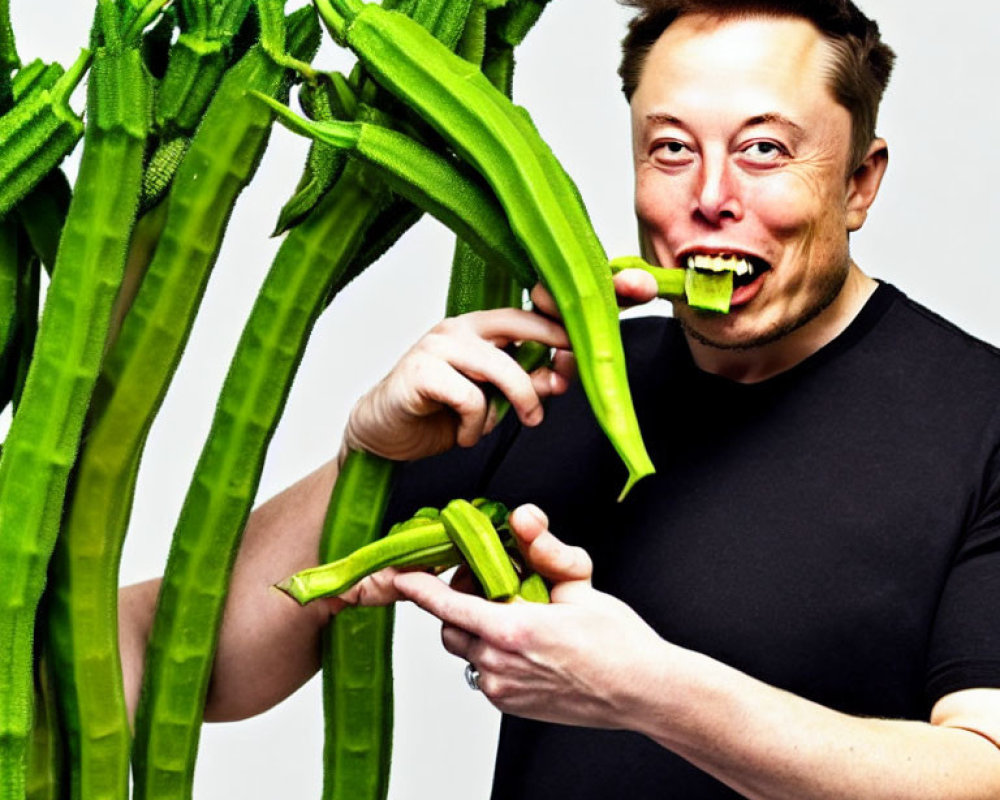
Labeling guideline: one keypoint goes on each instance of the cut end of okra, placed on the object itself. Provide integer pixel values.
(294, 588)
(709, 291)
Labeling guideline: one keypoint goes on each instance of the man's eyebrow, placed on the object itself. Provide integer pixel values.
(660, 118)
(774, 118)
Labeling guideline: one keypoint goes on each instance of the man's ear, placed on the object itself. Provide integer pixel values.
(863, 183)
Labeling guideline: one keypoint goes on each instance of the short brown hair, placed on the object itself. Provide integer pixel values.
(862, 65)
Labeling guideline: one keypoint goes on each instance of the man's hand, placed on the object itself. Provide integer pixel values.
(574, 661)
(433, 398)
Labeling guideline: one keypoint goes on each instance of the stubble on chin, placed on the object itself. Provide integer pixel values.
(829, 289)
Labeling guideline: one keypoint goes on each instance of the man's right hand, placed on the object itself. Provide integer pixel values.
(434, 397)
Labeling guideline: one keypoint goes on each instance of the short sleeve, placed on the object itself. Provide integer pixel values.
(964, 649)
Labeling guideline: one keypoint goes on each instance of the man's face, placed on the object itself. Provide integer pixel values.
(742, 152)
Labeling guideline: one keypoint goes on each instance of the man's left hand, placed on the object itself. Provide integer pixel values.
(577, 661)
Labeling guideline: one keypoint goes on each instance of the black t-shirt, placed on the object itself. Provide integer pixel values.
(833, 531)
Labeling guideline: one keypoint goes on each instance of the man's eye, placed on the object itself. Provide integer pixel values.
(671, 151)
(763, 151)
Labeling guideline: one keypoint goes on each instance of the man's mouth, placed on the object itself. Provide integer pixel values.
(745, 268)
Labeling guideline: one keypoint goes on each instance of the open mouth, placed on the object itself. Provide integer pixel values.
(745, 268)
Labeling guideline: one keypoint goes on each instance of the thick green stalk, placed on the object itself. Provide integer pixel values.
(45, 433)
(220, 162)
(218, 503)
(357, 644)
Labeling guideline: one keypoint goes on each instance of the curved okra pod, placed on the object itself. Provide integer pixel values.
(473, 533)
(429, 181)
(45, 433)
(36, 134)
(425, 544)
(541, 201)
(324, 163)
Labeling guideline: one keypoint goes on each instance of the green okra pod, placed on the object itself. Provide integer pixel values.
(45, 433)
(137, 370)
(481, 547)
(541, 201)
(226, 478)
(429, 181)
(324, 163)
(669, 282)
(424, 544)
(36, 134)
(357, 644)
(34, 78)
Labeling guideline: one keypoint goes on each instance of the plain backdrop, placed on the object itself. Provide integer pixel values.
(931, 233)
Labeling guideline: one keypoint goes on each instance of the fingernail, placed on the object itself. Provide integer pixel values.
(536, 513)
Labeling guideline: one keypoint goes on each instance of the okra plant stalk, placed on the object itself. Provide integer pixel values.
(220, 162)
(45, 433)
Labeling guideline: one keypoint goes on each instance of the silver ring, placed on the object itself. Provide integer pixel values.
(472, 677)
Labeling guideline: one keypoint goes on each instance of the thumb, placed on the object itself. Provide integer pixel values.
(544, 553)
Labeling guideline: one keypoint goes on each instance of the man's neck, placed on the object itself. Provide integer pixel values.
(760, 363)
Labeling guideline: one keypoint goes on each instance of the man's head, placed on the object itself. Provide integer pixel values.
(860, 71)
(744, 154)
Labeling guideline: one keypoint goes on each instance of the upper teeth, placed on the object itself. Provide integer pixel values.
(724, 263)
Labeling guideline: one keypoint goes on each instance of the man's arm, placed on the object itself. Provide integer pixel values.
(588, 659)
(430, 401)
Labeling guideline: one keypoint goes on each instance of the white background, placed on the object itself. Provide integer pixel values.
(931, 233)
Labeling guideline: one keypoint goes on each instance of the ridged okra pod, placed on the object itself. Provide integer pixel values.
(429, 181)
(181, 649)
(357, 644)
(36, 134)
(45, 433)
(541, 201)
(83, 617)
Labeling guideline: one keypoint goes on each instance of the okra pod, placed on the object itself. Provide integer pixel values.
(669, 282)
(137, 370)
(425, 545)
(429, 181)
(44, 435)
(357, 644)
(36, 134)
(474, 535)
(225, 482)
(542, 203)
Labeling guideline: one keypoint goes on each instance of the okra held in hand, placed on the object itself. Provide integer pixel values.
(542, 203)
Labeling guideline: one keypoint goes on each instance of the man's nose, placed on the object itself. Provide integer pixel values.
(718, 196)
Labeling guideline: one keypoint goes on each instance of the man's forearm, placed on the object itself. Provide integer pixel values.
(268, 645)
(772, 745)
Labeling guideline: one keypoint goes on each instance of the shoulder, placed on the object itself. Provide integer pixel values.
(914, 337)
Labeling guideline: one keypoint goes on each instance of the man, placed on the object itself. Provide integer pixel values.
(798, 605)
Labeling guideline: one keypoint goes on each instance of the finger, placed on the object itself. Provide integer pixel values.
(548, 382)
(456, 641)
(564, 363)
(484, 363)
(634, 286)
(442, 384)
(544, 302)
(502, 326)
(472, 614)
(544, 552)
